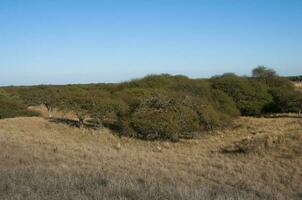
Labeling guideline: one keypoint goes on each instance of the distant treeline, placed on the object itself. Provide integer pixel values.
(294, 78)
(162, 106)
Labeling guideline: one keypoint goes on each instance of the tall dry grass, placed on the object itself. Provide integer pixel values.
(45, 160)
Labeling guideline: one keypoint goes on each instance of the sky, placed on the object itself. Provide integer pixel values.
(90, 41)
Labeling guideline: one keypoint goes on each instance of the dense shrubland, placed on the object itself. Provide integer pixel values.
(250, 95)
(164, 106)
(11, 106)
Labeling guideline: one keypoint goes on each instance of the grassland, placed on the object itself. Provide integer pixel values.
(259, 158)
(298, 85)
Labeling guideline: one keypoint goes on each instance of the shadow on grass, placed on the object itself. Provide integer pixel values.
(75, 123)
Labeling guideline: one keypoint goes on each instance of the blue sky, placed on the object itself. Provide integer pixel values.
(84, 41)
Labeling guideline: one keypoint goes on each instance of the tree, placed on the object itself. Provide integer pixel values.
(40, 95)
(263, 72)
(49, 98)
(78, 103)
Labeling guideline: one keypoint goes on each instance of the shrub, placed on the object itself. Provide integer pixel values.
(251, 96)
(224, 103)
(10, 107)
(276, 82)
(285, 100)
(284, 94)
(107, 111)
(162, 117)
(155, 107)
(38, 95)
(80, 104)
(170, 115)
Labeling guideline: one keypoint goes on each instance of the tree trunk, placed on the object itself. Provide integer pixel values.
(81, 122)
(49, 109)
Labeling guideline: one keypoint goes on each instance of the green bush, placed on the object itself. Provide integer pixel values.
(224, 104)
(250, 95)
(38, 95)
(108, 110)
(285, 100)
(155, 107)
(285, 97)
(162, 117)
(80, 104)
(170, 115)
(276, 82)
(10, 107)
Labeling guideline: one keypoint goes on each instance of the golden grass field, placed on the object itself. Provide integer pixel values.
(259, 158)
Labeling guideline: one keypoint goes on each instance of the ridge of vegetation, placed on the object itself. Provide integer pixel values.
(161, 106)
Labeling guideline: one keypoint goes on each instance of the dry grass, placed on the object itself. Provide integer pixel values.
(56, 113)
(44, 160)
(298, 85)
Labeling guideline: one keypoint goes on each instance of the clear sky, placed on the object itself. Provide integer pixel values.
(84, 41)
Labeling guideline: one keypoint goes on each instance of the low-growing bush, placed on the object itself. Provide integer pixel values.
(251, 96)
(285, 100)
(170, 115)
(107, 111)
(155, 107)
(161, 106)
(162, 117)
(10, 107)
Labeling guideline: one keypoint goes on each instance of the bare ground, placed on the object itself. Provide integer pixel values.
(259, 158)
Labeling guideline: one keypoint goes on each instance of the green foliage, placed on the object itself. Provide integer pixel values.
(80, 104)
(225, 105)
(108, 111)
(286, 100)
(162, 117)
(154, 107)
(295, 103)
(169, 114)
(251, 96)
(285, 97)
(263, 72)
(10, 107)
(162, 106)
(279, 82)
(38, 95)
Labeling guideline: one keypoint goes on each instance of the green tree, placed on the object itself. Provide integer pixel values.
(40, 95)
(263, 72)
(79, 103)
